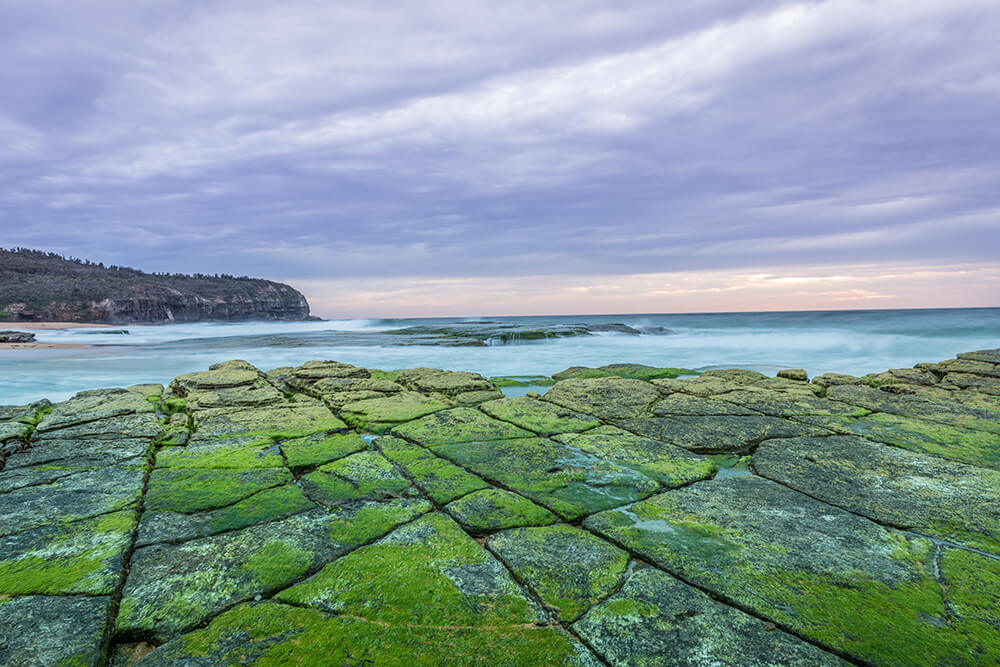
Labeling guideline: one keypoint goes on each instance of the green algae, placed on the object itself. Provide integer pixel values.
(363, 474)
(320, 448)
(629, 371)
(254, 454)
(834, 578)
(538, 416)
(456, 426)
(294, 420)
(489, 510)
(441, 480)
(426, 573)
(266, 505)
(523, 381)
(355, 526)
(278, 562)
(671, 466)
(568, 568)
(269, 633)
(196, 489)
(84, 557)
(379, 415)
(605, 397)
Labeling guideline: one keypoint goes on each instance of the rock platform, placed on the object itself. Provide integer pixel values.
(331, 514)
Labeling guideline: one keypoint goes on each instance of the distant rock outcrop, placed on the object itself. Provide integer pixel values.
(39, 286)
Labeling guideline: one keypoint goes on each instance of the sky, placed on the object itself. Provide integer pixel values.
(471, 158)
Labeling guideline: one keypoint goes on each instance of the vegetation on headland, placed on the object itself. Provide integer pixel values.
(45, 286)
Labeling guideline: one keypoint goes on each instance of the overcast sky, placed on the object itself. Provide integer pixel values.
(456, 157)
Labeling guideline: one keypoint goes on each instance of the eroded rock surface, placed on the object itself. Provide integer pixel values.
(333, 514)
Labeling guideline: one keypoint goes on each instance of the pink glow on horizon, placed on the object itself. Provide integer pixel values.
(821, 288)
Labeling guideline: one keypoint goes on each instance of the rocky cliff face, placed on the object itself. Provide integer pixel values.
(37, 286)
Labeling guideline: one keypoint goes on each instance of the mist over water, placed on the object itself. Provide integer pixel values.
(855, 342)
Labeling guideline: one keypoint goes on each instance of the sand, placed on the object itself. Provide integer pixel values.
(16, 326)
(44, 346)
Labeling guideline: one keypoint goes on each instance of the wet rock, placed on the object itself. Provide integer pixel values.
(267, 505)
(16, 337)
(945, 412)
(633, 371)
(565, 480)
(456, 426)
(537, 416)
(58, 630)
(932, 496)
(83, 557)
(835, 578)
(788, 404)
(796, 374)
(489, 510)
(174, 587)
(448, 383)
(717, 434)
(92, 405)
(257, 633)
(656, 619)
(320, 448)
(356, 476)
(77, 496)
(605, 397)
(291, 420)
(440, 480)
(668, 464)
(199, 489)
(379, 415)
(695, 406)
(949, 442)
(568, 568)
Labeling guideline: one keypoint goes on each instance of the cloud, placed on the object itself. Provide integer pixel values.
(458, 141)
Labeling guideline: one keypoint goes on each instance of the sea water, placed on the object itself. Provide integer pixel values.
(854, 342)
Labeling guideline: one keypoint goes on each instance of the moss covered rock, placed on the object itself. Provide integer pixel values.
(655, 619)
(835, 578)
(568, 568)
(492, 509)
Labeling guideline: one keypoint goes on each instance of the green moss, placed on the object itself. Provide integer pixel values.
(495, 509)
(267, 505)
(81, 557)
(357, 526)
(384, 375)
(974, 447)
(278, 562)
(440, 480)
(456, 426)
(174, 405)
(356, 476)
(294, 420)
(538, 416)
(568, 568)
(426, 573)
(320, 448)
(379, 415)
(269, 633)
(523, 381)
(628, 608)
(670, 465)
(630, 371)
(566, 481)
(195, 490)
(256, 454)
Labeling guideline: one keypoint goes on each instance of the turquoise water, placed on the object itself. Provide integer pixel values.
(854, 342)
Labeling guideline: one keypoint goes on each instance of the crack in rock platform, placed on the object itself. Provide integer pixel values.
(331, 514)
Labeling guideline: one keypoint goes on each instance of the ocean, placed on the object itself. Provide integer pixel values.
(854, 342)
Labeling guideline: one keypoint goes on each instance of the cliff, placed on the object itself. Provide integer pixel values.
(38, 286)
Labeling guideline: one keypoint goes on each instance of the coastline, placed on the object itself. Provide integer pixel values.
(44, 346)
(54, 325)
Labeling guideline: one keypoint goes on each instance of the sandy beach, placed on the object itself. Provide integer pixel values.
(50, 325)
(46, 326)
(44, 346)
